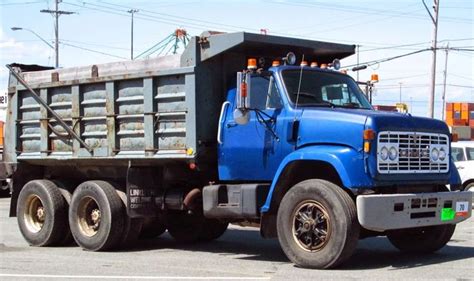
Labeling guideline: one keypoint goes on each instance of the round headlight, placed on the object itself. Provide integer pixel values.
(384, 153)
(434, 154)
(442, 154)
(392, 153)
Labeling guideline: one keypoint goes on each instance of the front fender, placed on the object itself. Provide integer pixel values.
(348, 163)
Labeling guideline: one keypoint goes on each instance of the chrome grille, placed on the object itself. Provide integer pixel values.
(414, 152)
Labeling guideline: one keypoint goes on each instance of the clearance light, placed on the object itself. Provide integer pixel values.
(275, 63)
(304, 63)
(369, 134)
(190, 151)
(366, 147)
(251, 64)
(324, 66)
(374, 78)
(314, 64)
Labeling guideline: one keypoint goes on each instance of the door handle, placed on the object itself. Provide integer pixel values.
(221, 116)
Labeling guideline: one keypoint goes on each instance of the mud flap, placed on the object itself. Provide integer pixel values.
(143, 184)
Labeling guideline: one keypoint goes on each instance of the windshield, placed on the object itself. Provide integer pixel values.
(323, 89)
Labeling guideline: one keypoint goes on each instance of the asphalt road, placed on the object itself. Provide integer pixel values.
(238, 255)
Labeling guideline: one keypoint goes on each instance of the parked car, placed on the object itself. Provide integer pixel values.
(462, 153)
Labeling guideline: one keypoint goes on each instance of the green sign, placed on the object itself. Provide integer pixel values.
(447, 214)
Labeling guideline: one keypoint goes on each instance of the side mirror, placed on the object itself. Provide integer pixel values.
(241, 116)
(243, 91)
(242, 113)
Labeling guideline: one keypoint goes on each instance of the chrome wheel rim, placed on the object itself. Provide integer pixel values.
(89, 216)
(35, 214)
(311, 226)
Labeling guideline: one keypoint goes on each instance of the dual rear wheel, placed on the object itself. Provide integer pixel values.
(95, 216)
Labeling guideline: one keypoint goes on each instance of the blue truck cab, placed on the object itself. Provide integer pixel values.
(230, 131)
(297, 127)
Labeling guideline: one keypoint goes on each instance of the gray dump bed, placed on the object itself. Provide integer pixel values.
(159, 108)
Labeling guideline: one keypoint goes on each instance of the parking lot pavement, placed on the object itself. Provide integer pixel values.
(240, 254)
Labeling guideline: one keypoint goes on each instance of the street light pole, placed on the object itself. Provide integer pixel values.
(15, 28)
(132, 11)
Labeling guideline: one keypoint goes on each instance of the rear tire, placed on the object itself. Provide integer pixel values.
(131, 232)
(317, 224)
(96, 216)
(422, 239)
(42, 214)
(152, 228)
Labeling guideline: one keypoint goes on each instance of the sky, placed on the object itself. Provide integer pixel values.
(99, 32)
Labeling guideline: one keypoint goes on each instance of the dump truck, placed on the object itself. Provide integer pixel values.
(242, 128)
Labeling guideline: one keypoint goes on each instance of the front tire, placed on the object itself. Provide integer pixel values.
(422, 239)
(317, 224)
(96, 216)
(42, 214)
(212, 229)
(185, 228)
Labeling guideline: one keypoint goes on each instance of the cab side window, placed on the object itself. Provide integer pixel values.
(264, 93)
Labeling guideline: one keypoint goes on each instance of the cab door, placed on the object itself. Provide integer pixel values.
(252, 151)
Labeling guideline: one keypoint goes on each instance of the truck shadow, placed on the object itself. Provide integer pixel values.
(371, 253)
(377, 252)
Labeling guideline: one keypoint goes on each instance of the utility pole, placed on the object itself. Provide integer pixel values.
(400, 91)
(445, 74)
(132, 11)
(56, 14)
(433, 48)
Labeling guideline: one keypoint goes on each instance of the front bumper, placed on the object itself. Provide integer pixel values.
(396, 211)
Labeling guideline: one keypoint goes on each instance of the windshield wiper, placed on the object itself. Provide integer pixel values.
(321, 103)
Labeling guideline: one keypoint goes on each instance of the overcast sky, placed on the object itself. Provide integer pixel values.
(382, 29)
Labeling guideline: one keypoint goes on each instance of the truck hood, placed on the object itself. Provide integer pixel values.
(345, 126)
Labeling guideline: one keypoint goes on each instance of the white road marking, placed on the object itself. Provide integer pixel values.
(131, 277)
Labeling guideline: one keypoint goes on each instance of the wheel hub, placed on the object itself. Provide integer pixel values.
(88, 216)
(311, 226)
(35, 214)
(40, 214)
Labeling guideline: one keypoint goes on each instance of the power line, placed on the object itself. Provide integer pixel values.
(94, 51)
(22, 3)
(366, 11)
(94, 44)
(369, 63)
(145, 16)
